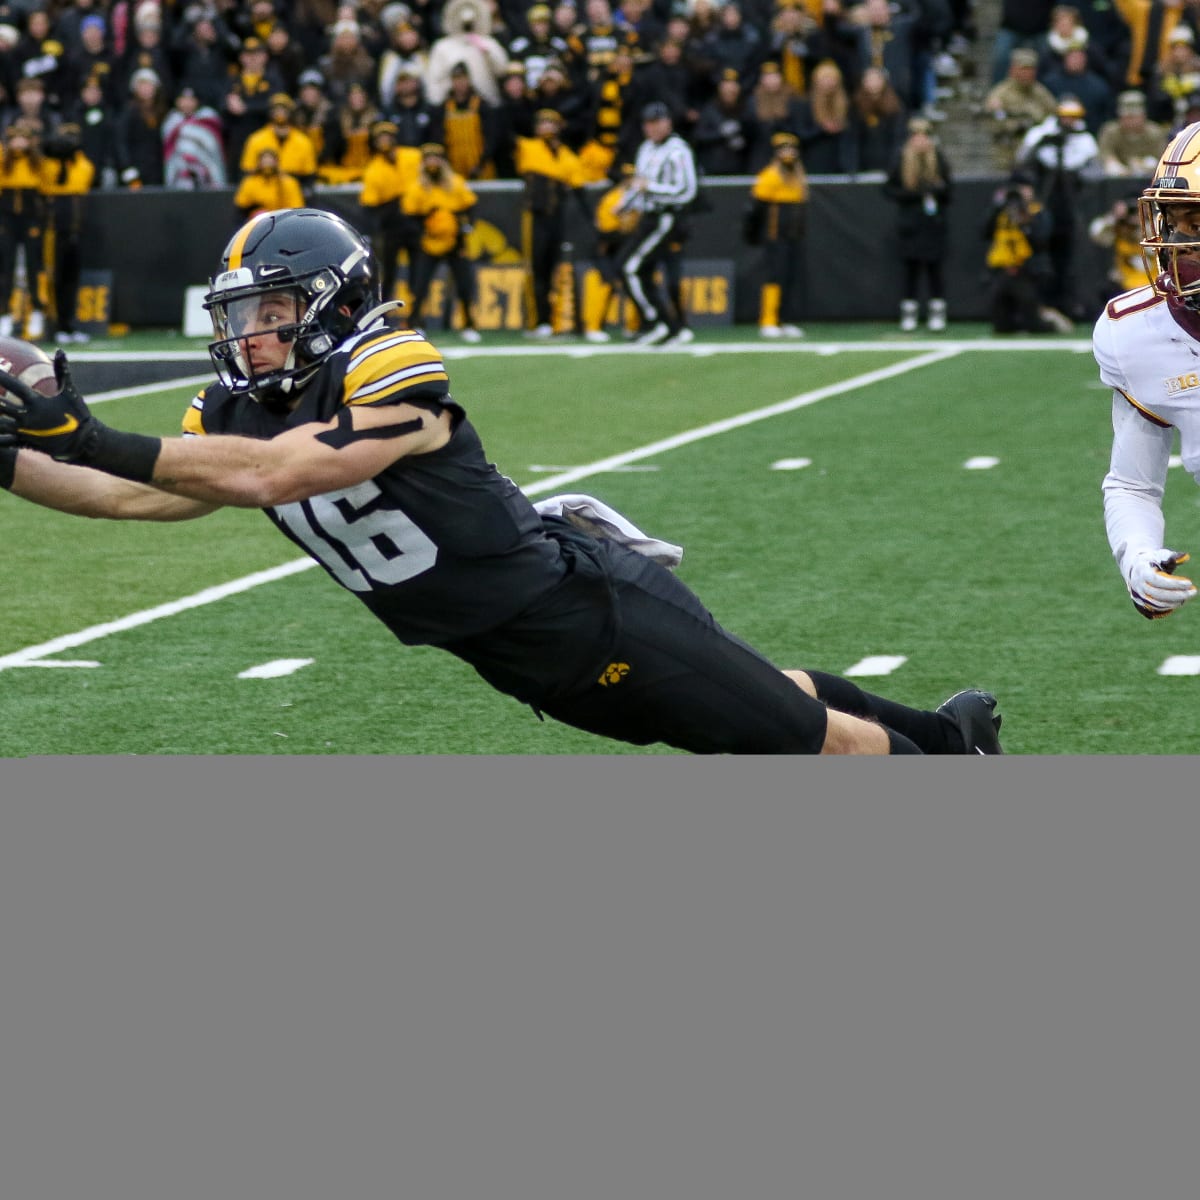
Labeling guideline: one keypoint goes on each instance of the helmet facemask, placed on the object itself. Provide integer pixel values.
(1169, 212)
(302, 279)
(297, 312)
(1171, 247)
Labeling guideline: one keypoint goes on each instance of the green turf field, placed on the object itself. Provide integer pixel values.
(822, 498)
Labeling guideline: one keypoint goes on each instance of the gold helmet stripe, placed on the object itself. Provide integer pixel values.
(238, 246)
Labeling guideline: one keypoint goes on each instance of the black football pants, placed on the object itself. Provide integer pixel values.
(625, 650)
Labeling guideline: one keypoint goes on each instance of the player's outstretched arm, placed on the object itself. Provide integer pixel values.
(308, 460)
(46, 440)
(219, 470)
(86, 493)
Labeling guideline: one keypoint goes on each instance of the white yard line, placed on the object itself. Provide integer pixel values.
(557, 482)
(142, 389)
(554, 483)
(68, 641)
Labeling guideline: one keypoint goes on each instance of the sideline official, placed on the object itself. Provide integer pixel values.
(664, 185)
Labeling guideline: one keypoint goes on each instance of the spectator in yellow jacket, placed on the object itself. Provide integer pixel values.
(615, 219)
(775, 220)
(22, 217)
(386, 177)
(442, 201)
(293, 147)
(266, 187)
(68, 175)
(551, 172)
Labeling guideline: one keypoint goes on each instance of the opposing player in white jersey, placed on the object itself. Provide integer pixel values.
(1147, 344)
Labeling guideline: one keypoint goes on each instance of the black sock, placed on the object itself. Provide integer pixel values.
(929, 731)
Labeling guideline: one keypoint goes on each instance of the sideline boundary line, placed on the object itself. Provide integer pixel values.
(30, 654)
(697, 349)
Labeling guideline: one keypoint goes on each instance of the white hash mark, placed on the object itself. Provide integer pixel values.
(275, 668)
(1181, 664)
(876, 664)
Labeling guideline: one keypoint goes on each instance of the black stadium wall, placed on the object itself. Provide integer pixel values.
(158, 242)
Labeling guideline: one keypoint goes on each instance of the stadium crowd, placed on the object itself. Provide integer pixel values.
(171, 93)
(413, 102)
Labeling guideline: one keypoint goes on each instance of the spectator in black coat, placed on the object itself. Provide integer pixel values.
(32, 106)
(407, 109)
(671, 79)
(827, 141)
(41, 56)
(733, 43)
(147, 51)
(97, 130)
(919, 184)
(69, 22)
(1075, 77)
(513, 119)
(1022, 24)
(139, 132)
(88, 55)
(247, 99)
(774, 107)
(879, 120)
(203, 51)
(286, 56)
(723, 130)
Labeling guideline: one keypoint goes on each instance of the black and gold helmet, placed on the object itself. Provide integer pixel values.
(1172, 256)
(317, 256)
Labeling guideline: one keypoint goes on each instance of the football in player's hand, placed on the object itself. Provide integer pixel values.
(28, 363)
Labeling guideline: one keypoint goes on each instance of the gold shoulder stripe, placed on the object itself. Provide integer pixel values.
(1152, 417)
(371, 343)
(392, 364)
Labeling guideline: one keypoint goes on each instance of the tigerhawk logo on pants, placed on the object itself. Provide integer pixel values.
(613, 673)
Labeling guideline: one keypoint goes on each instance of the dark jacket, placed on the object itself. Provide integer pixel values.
(921, 215)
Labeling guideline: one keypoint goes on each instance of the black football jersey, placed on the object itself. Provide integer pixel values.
(439, 546)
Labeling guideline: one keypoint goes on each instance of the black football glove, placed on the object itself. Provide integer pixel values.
(61, 425)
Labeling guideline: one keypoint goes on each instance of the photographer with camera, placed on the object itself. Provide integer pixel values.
(1057, 152)
(1119, 231)
(1018, 232)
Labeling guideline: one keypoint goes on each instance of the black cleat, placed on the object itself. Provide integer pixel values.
(973, 713)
